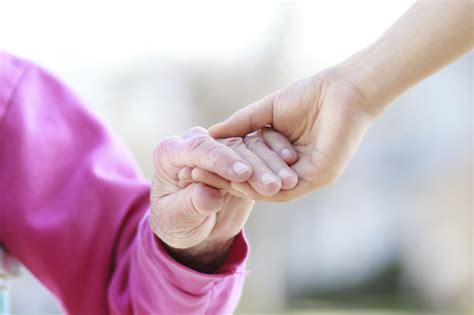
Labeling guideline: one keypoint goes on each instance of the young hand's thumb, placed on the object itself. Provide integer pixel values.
(245, 120)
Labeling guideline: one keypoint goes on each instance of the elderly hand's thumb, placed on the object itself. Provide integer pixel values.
(203, 200)
(187, 217)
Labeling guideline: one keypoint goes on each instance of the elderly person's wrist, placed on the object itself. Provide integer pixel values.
(205, 257)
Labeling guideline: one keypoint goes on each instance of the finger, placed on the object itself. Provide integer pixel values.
(210, 179)
(246, 120)
(205, 177)
(205, 200)
(204, 152)
(280, 144)
(274, 162)
(185, 177)
(246, 190)
(187, 217)
(302, 188)
(263, 180)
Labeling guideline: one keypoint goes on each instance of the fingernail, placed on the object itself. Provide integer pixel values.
(284, 173)
(286, 153)
(267, 179)
(240, 168)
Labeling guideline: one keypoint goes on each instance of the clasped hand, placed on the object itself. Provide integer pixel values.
(203, 188)
(195, 209)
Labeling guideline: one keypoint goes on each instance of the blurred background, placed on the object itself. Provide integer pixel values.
(393, 235)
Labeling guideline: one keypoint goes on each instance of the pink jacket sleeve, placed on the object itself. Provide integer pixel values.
(74, 210)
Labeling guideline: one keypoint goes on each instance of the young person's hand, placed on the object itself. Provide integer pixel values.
(325, 116)
(194, 210)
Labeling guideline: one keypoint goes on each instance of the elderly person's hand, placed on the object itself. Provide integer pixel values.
(194, 211)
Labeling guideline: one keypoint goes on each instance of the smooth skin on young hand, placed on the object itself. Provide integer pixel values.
(326, 116)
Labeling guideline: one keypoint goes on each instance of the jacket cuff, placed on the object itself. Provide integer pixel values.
(186, 278)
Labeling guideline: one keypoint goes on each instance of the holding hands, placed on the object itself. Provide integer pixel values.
(195, 210)
(205, 183)
(204, 186)
(324, 117)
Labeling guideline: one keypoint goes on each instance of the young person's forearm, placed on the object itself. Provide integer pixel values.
(427, 37)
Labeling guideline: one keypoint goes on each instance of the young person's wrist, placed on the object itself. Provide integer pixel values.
(364, 71)
(439, 33)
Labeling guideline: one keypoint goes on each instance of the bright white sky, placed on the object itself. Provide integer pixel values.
(65, 34)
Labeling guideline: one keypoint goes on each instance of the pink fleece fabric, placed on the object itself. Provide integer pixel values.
(74, 210)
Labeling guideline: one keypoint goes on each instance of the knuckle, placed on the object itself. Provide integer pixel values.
(252, 141)
(195, 131)
(199, 142)
(233, 141)
(165, 147)
(205, 148)
(162, 153)
(198, 129)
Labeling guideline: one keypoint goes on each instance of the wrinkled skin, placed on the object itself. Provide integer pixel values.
(194, 209)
